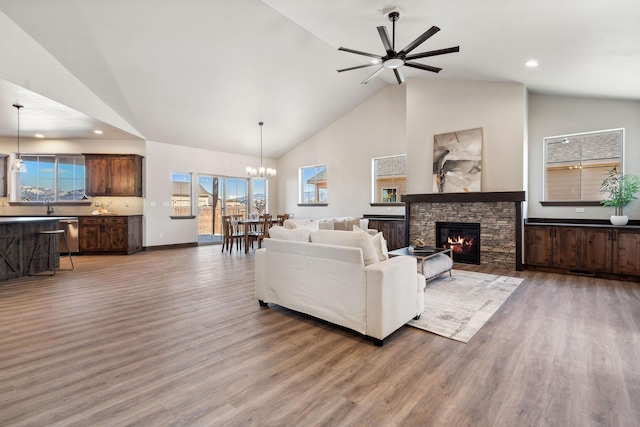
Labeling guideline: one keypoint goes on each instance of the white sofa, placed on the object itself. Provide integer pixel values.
(337, 284)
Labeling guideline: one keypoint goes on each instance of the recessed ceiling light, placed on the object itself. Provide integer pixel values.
(532, 63)
(98, 132)
(39, 135)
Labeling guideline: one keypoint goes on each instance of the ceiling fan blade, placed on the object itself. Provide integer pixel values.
(357, 52)
(417, 42)
(355, 68)
(433, 53)
(399, 75)
(384, 36)
(423, 67)
(365, 81)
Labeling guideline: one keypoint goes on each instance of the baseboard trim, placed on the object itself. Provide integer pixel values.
(175, 246)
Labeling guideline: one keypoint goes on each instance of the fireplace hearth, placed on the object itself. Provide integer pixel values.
(462, 237)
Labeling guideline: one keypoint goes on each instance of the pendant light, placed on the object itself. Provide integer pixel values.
(261, 172)
(17, 165)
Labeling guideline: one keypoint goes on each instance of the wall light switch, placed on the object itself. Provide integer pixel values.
(152, 204)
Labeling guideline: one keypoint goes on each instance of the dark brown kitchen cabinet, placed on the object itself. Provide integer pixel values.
(110, 234)
(586, 249)
(626, 251)
(113, 174)
(392, 228)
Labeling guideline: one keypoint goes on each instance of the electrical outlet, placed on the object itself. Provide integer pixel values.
(160, 235)
(580, 210)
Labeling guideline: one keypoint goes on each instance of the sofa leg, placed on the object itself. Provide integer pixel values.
(377, 342)
(417, 317)
(262, 303)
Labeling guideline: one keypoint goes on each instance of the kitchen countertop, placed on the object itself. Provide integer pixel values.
(25, 219)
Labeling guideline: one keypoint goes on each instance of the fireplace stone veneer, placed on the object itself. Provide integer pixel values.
(499, 215)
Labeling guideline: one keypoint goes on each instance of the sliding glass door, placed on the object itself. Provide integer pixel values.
(218, 196)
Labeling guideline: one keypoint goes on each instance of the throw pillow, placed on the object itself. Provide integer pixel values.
(340, 225)
(325, 225)
(280, 233)
(379, 243)
(358, 239)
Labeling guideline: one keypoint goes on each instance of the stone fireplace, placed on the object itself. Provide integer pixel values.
(499, 215)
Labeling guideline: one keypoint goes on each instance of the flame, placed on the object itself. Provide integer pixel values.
(460, 243)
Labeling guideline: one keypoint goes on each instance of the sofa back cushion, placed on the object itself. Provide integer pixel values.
(312, 225)
(356, 239)
(280, 233)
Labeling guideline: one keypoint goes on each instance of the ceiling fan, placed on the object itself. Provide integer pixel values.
(394, 60)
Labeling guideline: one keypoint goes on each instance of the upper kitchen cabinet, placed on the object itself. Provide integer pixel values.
(113, 174)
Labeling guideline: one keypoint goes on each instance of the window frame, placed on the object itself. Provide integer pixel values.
(392, 185)
(14, 177)
(317, 190)
(190, 214)
(549, 139)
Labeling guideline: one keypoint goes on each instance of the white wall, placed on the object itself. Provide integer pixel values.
(551, 115)
(403, 120)
(436, 106)
(163, 159)
(376, 128)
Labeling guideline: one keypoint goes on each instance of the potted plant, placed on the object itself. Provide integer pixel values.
(621, 189)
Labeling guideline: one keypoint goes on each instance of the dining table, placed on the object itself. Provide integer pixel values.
(246, 225)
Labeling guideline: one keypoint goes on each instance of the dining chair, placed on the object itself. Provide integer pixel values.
(280, 218)
(262, 231)
(231, 233)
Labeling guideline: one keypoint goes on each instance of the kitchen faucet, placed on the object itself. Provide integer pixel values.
(49, 207)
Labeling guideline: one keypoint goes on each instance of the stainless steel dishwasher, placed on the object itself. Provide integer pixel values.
(70, 227)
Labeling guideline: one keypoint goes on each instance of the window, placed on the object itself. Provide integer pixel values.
(57, 178)
(389, 178)
(259, 196)
(181, 194)
(576, 164)
(313, 185)
(236, 197)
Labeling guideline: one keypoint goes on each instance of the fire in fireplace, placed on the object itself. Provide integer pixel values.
(462, 237)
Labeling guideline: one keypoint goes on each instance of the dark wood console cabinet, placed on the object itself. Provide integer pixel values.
(583, 249)
(392, 227)
(110, 234)
(113, 174)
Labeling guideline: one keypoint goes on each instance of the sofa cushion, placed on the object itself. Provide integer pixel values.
(312, 225)
(280, 233)
(288, 223)
(356, 239)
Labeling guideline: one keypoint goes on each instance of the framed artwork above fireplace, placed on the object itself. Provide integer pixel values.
(457, 161)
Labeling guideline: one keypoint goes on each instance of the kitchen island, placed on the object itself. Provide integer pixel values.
(17, 239)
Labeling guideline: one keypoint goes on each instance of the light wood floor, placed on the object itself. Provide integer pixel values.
(176, 337)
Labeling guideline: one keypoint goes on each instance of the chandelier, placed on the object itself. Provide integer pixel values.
(262, 172)
(18, 165)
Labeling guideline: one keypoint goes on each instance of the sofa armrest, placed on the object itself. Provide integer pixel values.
(393, 289)
(260, 273)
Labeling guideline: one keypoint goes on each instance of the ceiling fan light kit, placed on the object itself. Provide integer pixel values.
(396, 60)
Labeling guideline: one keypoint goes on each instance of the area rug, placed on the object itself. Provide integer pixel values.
(457, 307)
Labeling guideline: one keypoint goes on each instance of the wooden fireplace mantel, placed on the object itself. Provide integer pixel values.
(489, 196)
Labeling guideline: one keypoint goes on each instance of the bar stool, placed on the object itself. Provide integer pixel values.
(50, 234)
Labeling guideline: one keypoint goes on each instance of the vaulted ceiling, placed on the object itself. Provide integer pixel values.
(203, 73)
